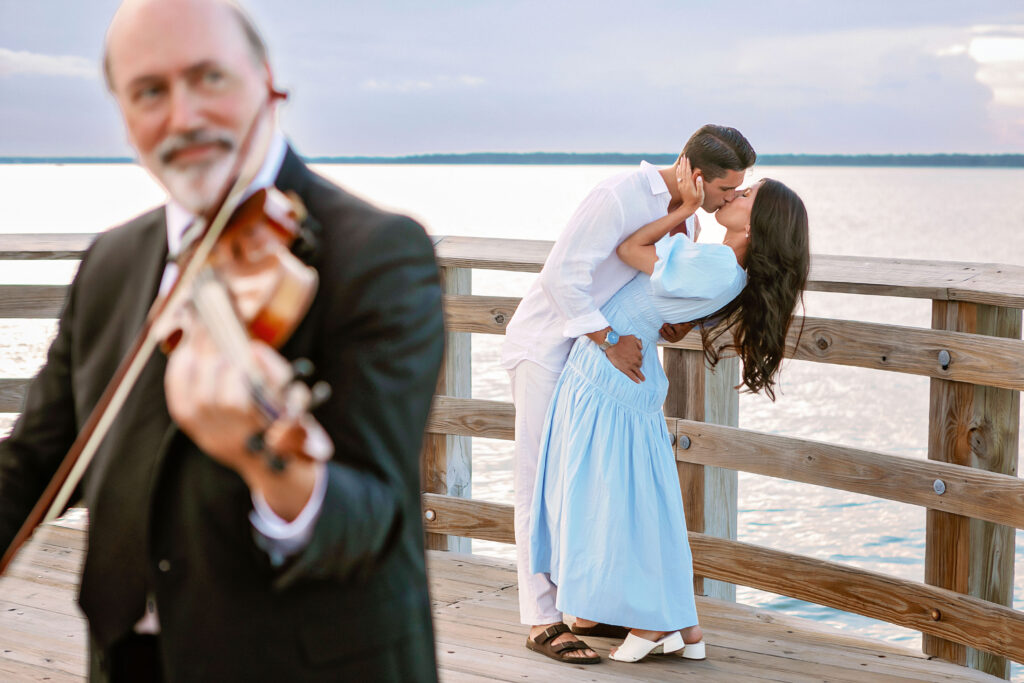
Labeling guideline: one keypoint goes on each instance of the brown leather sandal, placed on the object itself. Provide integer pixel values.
(600, 631)
(560, 652)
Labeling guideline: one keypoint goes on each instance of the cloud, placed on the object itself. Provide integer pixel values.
(1000, 61)
(421, 85)
(21, 62)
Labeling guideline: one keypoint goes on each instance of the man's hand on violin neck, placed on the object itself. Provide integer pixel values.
(209, 397)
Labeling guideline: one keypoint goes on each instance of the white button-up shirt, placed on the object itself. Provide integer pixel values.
(583, 271)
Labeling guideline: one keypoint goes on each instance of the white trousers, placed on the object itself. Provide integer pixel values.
(532, 388)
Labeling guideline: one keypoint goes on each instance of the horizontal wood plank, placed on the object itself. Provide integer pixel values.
(44, 246)
(32, 301)
(976, 359)
(944, 613)
(12, 394)
(467, 518)
(973, 358)
(479, 314)
(472, 417)
(969, 492)
(490, 253)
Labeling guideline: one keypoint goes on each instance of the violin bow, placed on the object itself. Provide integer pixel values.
(71, 470)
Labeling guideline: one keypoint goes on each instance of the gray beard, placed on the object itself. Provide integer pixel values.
(197, 186)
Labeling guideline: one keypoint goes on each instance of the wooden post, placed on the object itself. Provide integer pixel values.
(446, 464)
(697, 392)
(976, 426)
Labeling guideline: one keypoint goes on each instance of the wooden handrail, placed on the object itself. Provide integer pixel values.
(985, 283)
(32, 301)
(44, 246)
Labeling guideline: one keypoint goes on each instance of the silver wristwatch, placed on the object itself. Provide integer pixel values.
(610, 340)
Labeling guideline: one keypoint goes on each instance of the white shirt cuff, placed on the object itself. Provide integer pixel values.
(281, 539)
(584, 324)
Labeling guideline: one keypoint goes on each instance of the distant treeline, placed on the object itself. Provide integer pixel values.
(616, 159)
(619, 159)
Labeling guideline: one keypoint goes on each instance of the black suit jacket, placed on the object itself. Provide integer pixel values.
(166, 519)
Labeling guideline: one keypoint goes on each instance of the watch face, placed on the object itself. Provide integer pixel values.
(612, 337)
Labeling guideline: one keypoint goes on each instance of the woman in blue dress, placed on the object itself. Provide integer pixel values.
(608, 522)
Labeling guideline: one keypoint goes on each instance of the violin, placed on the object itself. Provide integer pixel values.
(252, 287)
(238, 281)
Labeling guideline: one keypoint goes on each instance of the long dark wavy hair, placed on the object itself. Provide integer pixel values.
(777, 263)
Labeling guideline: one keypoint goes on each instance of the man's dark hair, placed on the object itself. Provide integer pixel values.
(716, 149)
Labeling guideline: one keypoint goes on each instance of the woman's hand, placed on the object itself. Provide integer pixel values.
(675, 332)
(690, 184)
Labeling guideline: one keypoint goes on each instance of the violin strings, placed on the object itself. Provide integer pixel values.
(213, 304)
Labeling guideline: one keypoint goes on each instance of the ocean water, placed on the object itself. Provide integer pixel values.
(923, 213)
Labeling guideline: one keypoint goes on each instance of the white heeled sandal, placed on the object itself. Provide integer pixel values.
(693, 650)
(634, 648)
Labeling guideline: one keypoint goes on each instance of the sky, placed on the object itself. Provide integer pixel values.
(392, 78)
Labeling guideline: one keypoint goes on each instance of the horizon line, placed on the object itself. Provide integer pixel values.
(1012, 159)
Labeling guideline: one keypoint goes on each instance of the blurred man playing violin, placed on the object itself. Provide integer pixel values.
(213, 556)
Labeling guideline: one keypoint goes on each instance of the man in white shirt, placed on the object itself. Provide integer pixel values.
(581, 274)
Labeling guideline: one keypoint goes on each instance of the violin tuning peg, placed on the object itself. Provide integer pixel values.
(303, 368)
(255, 443)
(320, 392)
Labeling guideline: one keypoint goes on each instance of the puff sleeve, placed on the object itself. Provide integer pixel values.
(688, 270)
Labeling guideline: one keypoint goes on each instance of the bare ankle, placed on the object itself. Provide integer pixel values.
(692, 634)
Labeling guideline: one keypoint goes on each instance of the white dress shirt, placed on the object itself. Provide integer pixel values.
(583, 271)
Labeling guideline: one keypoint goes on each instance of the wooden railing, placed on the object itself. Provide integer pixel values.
(974, 500)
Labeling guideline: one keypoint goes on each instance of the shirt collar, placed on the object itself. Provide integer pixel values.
(658, 185)
(179, 218)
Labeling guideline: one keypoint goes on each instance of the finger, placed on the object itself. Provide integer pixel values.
(178, 377)
(640, 375)
(276, 370)
(232, 388)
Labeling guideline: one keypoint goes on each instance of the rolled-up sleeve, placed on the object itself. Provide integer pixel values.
(593, 232)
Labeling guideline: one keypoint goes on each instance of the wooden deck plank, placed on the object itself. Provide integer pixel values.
(479, 637)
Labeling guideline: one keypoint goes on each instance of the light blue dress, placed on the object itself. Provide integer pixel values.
(607, 518)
